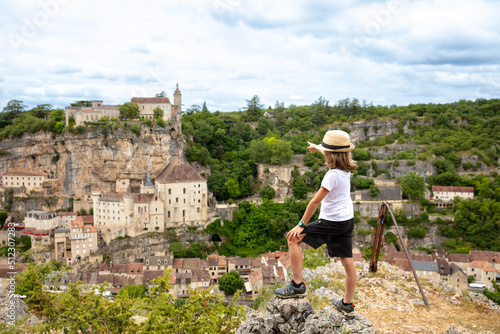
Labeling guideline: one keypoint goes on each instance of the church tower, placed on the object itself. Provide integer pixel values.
(177, 111)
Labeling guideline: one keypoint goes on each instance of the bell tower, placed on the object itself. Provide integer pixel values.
(176, 111)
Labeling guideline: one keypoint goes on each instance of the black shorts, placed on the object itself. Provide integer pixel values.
(336, 235)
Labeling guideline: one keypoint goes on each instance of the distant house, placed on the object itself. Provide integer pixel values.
(217, 266)
(269, 114)
(30, 179)
(83, 238)
(241, 265)
(483, 272)
(457, 277)
(66, 218)
(426, 269)
(94, 113)
(445, 193)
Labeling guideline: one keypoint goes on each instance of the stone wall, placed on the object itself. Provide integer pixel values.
(387, 193)
(371, 209)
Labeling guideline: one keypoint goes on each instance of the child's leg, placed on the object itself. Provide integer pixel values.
(350, 278)
(296, 258)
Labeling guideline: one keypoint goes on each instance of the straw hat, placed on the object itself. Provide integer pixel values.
(335, 141)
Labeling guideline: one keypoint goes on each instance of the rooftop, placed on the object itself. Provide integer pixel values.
(155, 100)
(179, 173)
(453, 189)
(25, 172)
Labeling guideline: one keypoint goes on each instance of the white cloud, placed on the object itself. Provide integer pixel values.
(226, 51)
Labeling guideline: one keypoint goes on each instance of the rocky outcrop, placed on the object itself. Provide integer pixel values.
(82, 162)
(298, 316)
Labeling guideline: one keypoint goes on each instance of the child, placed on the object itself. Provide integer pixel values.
(336, 219)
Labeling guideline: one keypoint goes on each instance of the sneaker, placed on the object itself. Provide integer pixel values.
(290, 292)
(339, 305)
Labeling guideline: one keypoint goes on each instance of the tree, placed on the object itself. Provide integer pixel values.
(129, 110)
(158, 113)
(41, 111)
(233, 188)
(204, 109)
(374, 191)
(81, 103)
(231, 282)
(12, 110)
(299, 190)
(268, 192)
(254, 108)
(162, 94)
(3, 218)
(413, 185)
(133, 291)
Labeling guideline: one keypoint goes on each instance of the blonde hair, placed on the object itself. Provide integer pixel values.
(340, 160)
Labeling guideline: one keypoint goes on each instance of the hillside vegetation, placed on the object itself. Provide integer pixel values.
(232, 143)
(457, 139)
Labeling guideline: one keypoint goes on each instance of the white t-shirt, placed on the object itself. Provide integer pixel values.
(337, 204)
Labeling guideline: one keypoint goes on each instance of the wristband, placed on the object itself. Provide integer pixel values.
(301, 224)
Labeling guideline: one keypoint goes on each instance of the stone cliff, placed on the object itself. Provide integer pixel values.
(78, 163)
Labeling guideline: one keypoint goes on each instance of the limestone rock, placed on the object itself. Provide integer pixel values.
(12, 309)
(296, 315)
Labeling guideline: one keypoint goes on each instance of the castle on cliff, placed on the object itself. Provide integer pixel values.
(147, 105)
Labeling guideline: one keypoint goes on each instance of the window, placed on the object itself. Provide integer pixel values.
(183, 213)
(177, 200)
(168, 214)
(170, 191)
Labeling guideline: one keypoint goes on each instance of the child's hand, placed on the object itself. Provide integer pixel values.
(312, 148)
(294, 233)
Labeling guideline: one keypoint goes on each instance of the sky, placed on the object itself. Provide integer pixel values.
(226, 51)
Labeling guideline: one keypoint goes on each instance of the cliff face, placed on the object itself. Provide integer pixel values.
(79, 163)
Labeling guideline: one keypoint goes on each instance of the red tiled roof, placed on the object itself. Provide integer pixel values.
(456, 257)
(453, 189)
(177, 263)
(179, 173)
(487, 256)
(255, 276)
(105, 266)
(193, 263)
(443, 266)
(155, 100)
(477, 264)
(25, 172)
(88, 220)
(150, 275)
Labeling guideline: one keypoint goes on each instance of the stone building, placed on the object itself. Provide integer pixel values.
(66, 218)
(184, 193)
(445, 193)
(177, 198)
(29, 179)
(83, 238)
(94, 113)
(457, 277)
(483, 272)
(41, 220)
(147, 105)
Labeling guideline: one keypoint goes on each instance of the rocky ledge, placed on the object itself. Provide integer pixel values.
(298, 316)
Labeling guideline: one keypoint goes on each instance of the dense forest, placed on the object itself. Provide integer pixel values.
(233, 143)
